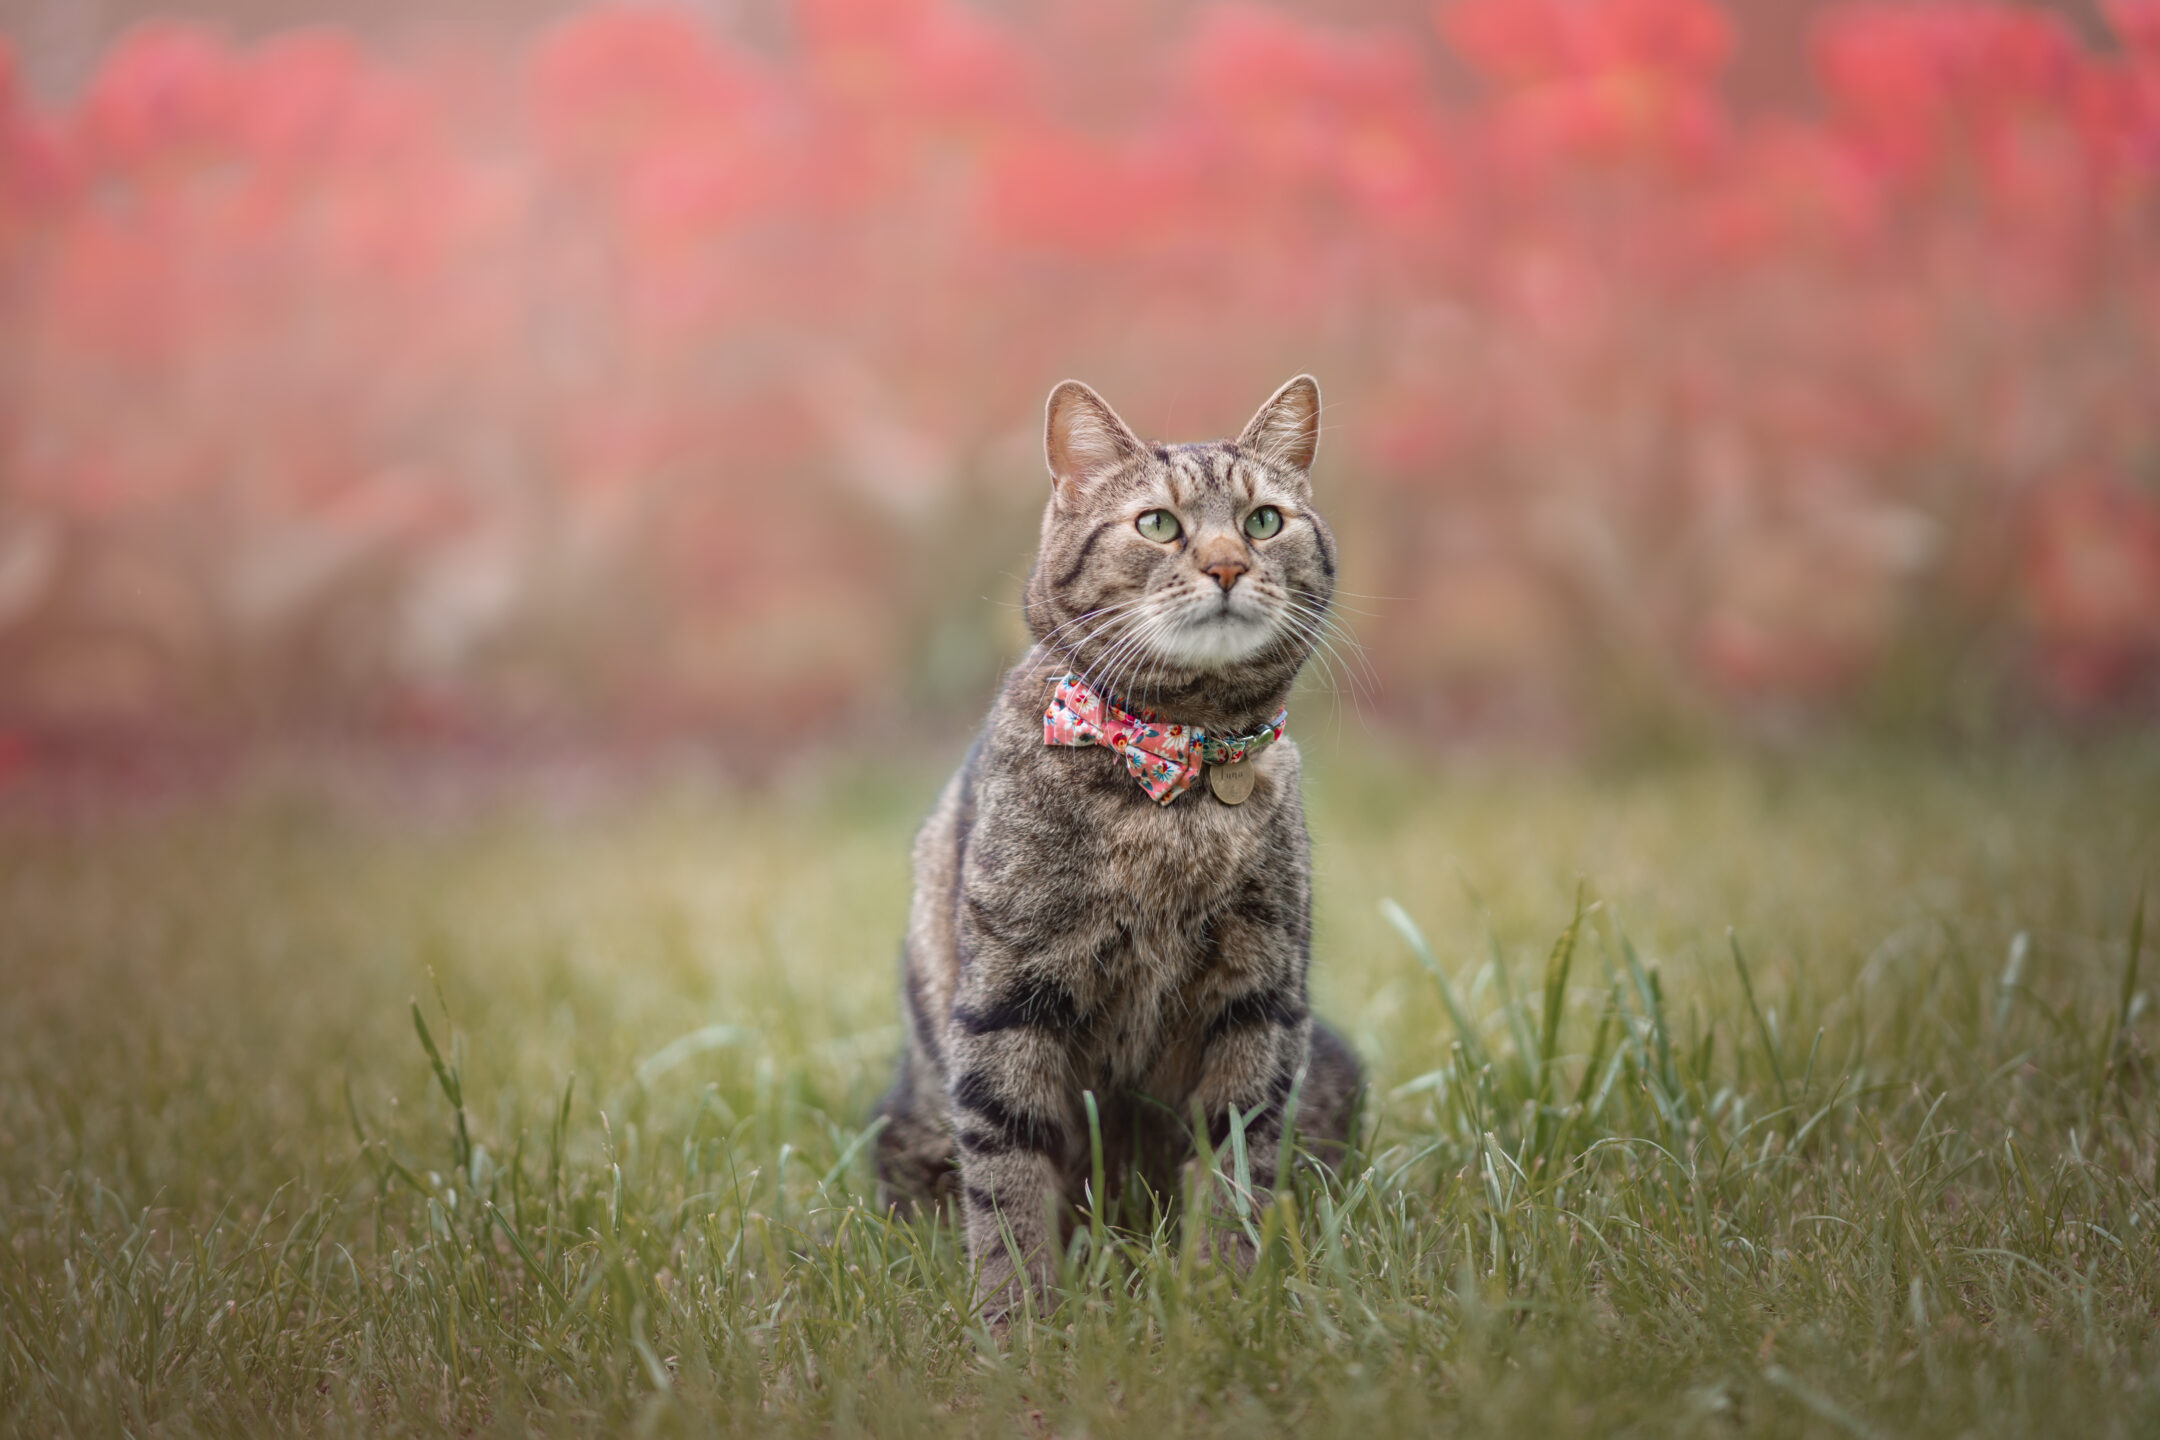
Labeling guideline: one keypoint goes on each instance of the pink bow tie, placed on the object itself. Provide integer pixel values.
(1165, 759)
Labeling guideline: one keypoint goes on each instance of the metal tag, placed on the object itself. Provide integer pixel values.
(1231, 783)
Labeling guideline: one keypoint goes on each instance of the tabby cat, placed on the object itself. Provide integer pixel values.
(1090, 913)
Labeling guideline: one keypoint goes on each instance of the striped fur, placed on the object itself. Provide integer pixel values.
(1068, 934)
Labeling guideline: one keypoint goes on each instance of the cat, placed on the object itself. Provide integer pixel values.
(1116, 921)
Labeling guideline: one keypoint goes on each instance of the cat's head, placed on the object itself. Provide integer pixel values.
(1171, 575)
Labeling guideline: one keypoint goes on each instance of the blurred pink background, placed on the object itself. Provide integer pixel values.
(638, 370)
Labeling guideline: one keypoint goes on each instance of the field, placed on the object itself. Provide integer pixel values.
(526, 1118)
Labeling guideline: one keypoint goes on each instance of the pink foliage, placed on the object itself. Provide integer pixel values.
(2091, 573)
(1527, 42)
(640, 374)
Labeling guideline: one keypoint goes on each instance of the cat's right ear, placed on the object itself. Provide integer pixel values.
(1083, 438)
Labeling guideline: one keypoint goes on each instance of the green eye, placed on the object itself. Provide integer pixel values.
(1159, 525)
(1263, 522)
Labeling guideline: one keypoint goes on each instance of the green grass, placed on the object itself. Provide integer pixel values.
(1878, 1160)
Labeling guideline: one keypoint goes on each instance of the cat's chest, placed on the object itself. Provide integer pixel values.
(1158, 965)
(1133, 908)
(1146, 1017)
(1167, 864)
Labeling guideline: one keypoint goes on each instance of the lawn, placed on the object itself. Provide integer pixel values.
(1830, 1111)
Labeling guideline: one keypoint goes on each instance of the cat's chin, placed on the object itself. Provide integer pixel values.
(1218, 641)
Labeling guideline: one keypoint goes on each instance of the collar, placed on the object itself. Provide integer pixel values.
(1166, 759)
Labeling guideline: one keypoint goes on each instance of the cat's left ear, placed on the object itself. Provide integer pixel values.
(1286, 431)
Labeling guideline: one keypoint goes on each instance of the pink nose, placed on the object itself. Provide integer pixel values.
(1225, 572)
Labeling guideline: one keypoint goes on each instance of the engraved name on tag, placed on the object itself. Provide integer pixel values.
(1231, 783)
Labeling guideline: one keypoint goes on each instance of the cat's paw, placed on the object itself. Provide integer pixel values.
(1003, 1292)
(1000, 1292)
(1235, 1251)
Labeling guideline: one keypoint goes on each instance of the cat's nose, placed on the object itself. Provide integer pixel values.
(1225, 572)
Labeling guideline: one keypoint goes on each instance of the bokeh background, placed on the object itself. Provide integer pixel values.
(643, 372)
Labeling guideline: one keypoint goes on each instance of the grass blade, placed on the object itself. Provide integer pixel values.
(452, 1087)
(1407, 928)
(2119, 1018)
(1762, 1026)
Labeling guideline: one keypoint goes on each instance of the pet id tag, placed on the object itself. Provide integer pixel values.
(1231, 783)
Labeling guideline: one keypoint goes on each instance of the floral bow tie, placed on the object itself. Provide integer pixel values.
(1165, 759)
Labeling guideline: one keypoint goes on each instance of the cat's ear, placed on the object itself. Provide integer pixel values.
(1083, 438)
(1286, 430)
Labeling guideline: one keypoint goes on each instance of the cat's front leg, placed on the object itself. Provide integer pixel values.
(1012, 1115)
(1256, 1050)
(1010, 1237)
